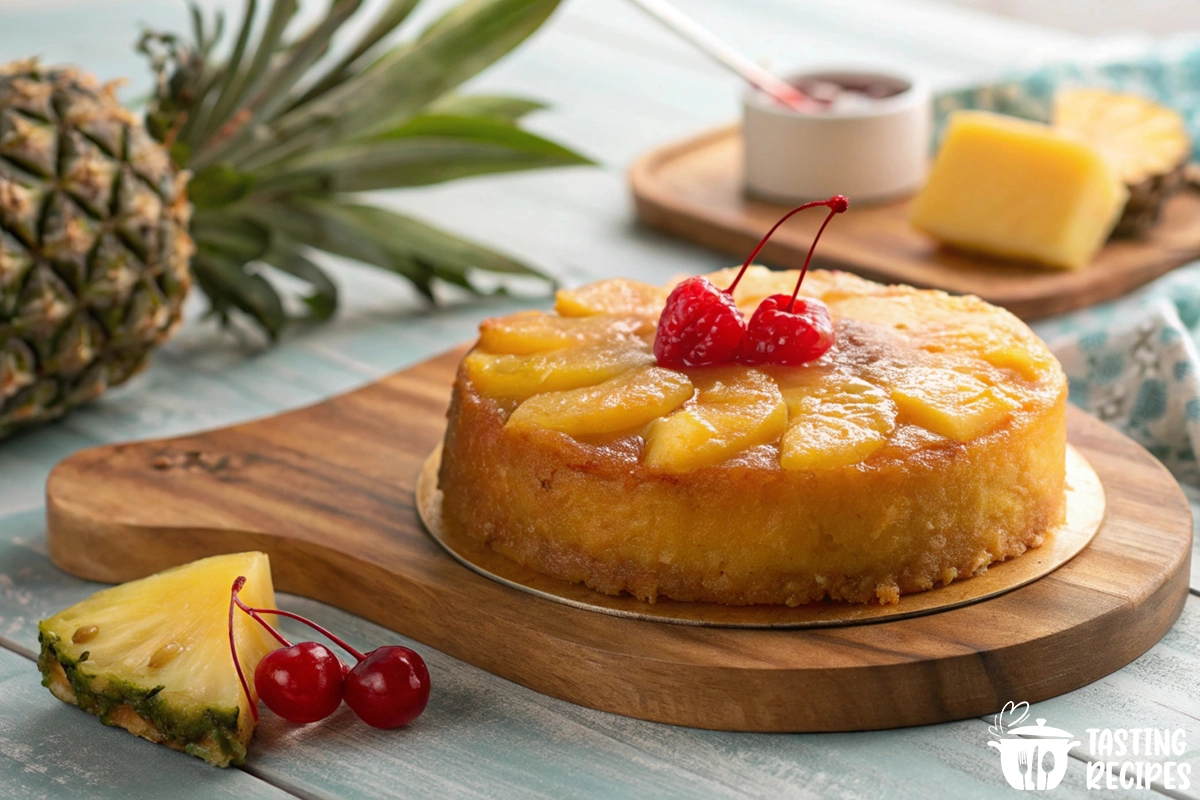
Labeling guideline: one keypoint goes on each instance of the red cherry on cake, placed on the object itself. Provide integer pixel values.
(701, 326)
(792, 330)
(788, 331)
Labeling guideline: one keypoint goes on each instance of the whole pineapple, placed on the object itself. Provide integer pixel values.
(94, 245)
(276, 141)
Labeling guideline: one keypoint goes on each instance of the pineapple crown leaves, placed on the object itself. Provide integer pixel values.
(281, 133)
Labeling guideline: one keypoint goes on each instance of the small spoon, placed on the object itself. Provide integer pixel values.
(726, 56)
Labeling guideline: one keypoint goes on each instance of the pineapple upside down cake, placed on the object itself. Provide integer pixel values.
(853, 441)
(928, 442)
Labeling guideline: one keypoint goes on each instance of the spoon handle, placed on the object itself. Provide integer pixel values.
(723, 54)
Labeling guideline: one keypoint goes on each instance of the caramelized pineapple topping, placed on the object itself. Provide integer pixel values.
(910, 368)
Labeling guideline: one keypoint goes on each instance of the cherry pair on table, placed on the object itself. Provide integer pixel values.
(306, 682)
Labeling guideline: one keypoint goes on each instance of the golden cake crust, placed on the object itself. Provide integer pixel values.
(916, 509)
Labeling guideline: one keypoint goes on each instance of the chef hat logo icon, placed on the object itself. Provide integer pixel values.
(1032, 757)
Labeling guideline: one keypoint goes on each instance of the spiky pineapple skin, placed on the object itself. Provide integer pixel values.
(156, 657)
(94, 244)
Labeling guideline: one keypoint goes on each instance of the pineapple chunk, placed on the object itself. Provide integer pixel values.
(518, 377)
(536, 331)
(735, 408)
(1019, 189)
(834, 419)
(152, 656)
(950, 403)
(624, 403)
(617, 296)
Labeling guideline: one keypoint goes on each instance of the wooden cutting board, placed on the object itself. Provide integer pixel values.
(693, 189)
(327, 491)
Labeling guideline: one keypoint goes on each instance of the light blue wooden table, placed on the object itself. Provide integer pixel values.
(618, 86)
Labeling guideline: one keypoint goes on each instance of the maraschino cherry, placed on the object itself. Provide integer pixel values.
(701, 325)
(300, 682)
(389, 688)
(794, 330)
(306, 682)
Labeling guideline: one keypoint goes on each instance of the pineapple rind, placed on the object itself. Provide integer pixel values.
(192, 702)
(182, 728)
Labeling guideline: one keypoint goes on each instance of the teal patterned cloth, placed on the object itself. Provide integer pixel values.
(1132, 362)
(1168, 72)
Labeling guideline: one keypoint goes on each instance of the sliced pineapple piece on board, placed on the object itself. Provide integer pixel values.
(950, 403)
(152, 656)
(536, 331)
(624, 403)
(834, 419)
(518, 377)
(1019, 189)
(734, 409)
(618, 296)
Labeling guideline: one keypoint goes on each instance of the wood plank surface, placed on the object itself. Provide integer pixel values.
(487, 737)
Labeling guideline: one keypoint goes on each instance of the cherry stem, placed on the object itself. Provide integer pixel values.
(836, 205)
(233, 599)
(254, 612)
(804, 270)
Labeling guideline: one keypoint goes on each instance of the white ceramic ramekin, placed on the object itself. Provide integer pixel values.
(876, 151)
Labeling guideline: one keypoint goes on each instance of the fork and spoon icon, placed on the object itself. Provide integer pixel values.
(1026, 767)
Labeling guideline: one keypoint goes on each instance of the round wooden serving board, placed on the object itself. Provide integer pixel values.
(328, 492)
(693, 189)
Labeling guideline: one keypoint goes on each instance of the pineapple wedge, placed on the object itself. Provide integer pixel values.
(616, 296)
(624, 403)
(518, 377)
(152, 656)
(834, 420)
(950, 403)
(735, 408)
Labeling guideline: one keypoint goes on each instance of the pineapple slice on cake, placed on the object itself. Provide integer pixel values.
(950, 403)
(518, 377)
(536, 331)
(152, 656)
(624, 403)
(735, 408)
(619, 296)
(835, 419)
